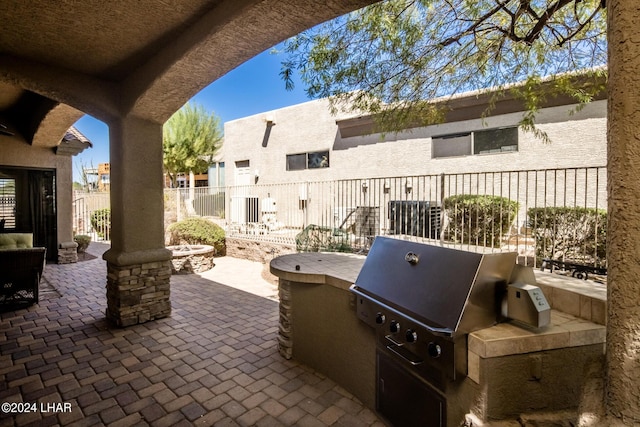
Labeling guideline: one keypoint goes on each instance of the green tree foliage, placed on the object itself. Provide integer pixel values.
(191, 138)
(392, 58)
(101, 222)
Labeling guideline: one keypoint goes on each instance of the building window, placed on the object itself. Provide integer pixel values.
(7, 203)
(313, 160)
(495, 140)
(319, 159)
(296, 162)
(451, 145)
(216, 175)
(499, 140)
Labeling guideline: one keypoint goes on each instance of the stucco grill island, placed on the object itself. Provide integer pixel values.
(432, 336)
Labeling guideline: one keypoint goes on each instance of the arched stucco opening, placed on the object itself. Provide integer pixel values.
(132, 66)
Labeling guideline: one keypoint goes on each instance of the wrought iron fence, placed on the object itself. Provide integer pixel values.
(92, 215)
(547, 213)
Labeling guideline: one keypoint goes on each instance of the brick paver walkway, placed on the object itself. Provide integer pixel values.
(213, 362)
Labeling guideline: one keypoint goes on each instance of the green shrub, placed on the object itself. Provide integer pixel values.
(570, 234)
(83, 242)
(197, 231)
(315, 238)
(101, 222)
(478, 219)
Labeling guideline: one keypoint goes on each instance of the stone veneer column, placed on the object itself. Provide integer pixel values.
(138, 293)
(138, 265)
(285, 340)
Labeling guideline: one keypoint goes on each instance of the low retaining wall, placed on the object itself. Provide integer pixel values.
(255, 250)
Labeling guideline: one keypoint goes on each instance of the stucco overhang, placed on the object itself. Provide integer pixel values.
(145, 58)
(465, 106)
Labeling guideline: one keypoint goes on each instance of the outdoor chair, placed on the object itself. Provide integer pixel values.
(20, 273)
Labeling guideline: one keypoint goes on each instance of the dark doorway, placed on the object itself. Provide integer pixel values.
(28, 205)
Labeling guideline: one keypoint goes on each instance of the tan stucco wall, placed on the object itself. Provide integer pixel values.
(622, 385)
(329, 337)
(14, 151)
(578, 140)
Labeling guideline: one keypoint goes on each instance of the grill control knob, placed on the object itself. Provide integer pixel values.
(411, 335)
(380, 318)
(394, 327)
(434, 350)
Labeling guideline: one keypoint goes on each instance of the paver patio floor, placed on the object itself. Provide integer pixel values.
(214, 361)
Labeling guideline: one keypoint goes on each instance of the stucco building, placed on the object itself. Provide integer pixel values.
(306, 142)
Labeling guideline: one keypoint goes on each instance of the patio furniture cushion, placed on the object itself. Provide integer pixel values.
(16, 240)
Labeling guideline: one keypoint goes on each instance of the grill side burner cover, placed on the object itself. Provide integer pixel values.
(440, 287)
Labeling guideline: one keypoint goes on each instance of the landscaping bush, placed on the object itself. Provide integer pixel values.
(478, 219)
(83, 242)
(197, 231)
(570, 234)
(101, 222)
(315, 238)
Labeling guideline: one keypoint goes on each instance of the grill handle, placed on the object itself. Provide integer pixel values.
(405, 354)
(443, 332)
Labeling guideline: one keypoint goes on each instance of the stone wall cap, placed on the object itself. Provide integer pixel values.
(68, 245)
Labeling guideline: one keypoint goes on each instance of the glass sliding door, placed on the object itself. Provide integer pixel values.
(28, 205)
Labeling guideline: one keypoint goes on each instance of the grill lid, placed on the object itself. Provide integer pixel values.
(439, 287)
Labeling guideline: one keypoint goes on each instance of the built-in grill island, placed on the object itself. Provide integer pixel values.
(431, 336)
(423, 301)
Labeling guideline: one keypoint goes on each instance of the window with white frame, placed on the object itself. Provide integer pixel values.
(216, 174)
(486, 141)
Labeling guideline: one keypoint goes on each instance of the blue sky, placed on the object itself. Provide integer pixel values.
(251, 88)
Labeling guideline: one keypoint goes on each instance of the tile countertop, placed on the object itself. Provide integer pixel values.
(510, 337)
(341, 270)
(336, 269)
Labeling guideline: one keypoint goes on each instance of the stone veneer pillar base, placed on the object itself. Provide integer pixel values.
(68, 253)
(285, 340)
(138, 293)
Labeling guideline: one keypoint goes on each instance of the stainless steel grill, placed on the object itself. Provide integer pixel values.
(423, 301)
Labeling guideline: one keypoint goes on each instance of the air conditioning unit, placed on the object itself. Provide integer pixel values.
(245, 209)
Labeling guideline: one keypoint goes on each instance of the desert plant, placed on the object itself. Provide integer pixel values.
(83, 242)
(479, 219)
(570, 234)
(197, 231)
(101, 222)
(315, 238)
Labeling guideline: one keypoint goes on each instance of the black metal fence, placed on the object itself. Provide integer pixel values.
(546, 213)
